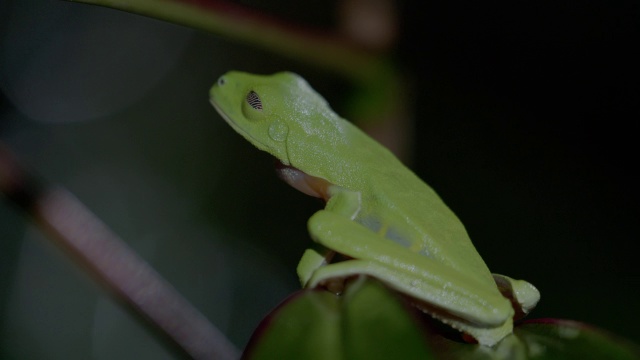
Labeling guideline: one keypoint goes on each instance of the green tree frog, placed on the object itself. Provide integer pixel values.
(383, 220)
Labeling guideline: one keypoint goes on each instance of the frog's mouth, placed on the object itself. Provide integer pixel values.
(243, 131)
(240, 130)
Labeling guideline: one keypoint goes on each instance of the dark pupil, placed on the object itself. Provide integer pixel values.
(254, 100)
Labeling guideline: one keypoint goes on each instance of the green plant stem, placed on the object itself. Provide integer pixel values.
(231, 21)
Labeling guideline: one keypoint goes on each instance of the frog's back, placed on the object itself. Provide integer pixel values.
(403, 208)
(397, 204)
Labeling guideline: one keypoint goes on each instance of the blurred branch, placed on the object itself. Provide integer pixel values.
(312, 46)
(71, 226)
(359, 51)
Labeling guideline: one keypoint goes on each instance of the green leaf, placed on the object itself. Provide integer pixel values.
(543, 339)
(366, 322)
(567, 339)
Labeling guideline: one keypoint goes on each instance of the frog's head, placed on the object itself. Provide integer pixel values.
(280, 113)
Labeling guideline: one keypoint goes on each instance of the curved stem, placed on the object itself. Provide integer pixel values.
(90, 243)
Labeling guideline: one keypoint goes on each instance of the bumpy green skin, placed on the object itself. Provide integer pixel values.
(378, 212)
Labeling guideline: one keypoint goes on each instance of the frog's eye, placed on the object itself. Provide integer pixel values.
(221, 81)
(254, 100)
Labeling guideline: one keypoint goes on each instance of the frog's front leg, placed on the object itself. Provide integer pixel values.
(343, 202)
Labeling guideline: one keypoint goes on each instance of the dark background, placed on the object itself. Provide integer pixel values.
(525, 117)
(534, 146)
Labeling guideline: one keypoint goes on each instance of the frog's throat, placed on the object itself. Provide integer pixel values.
(303, 182)
(232, 123)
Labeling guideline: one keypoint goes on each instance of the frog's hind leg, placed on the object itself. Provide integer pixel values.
(414, 274)
(348, 268)
(329, 274)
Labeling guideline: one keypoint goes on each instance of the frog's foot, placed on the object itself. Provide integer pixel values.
(311, 260)
(523, 295)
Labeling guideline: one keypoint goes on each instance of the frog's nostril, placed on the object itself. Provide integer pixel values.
(221, 81)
